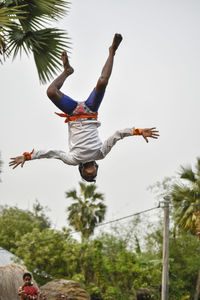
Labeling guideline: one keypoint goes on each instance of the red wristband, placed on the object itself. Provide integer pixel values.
(137, 131)
(28, 155)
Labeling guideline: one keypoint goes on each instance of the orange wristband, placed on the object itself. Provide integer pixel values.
(137, 131)
(28, 155)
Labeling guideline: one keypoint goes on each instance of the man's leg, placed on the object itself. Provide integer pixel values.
(107, 69)
(95, 98)
(62, 101)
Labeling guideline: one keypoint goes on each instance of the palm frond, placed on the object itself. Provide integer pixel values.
(82, 187)
(47, 48)
(18, 41)
(99, 196)
(198, 167)
(55, 9)
(72, 194)
(188, 212)
(186, 197)
(43, 11)
(2, 45)
(188, 174)
(89, 191)
(182, 193)
(8, 15)
(46, 45)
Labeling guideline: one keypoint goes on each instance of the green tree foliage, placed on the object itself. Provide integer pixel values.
(186, 198)
(105, 267)
(185, 195)
(15, 222)
(119, 271)
(109, 266)
(87, 210)
(184, 254)
(23, 26)
(183, 259)
(113, 265)
(47, 254)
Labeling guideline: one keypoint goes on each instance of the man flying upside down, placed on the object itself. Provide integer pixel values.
(85, 146)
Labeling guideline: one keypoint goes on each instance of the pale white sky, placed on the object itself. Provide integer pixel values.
(155, 82)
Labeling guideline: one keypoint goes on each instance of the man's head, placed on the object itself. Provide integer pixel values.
(27, 278)
(88, 171)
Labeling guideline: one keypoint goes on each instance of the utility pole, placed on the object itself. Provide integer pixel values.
(165, 270)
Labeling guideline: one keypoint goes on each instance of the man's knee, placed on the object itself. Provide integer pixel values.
(102, 83)
(51, 92)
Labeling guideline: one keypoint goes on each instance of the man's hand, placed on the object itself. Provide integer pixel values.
(16, 161)
(150, 132)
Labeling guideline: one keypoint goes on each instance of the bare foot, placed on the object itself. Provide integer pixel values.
(69, 70)
(115, 44)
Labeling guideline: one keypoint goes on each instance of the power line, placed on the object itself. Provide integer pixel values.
(129, 216)
(98, 225)
(102, 224)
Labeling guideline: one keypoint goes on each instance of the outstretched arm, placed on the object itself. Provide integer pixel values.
(120, 134)
(57, 154)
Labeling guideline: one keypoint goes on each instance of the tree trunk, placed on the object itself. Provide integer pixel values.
(197, 291)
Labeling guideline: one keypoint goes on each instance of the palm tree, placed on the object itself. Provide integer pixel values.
(23, 27)
(186, 199)
(87, 210)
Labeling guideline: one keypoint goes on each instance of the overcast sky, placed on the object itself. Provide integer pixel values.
(155, 82)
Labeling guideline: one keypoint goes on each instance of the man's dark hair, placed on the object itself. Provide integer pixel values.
(27, 274)
(87, 178)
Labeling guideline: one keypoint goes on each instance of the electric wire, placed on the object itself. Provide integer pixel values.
(103, 224)
(98, 225)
